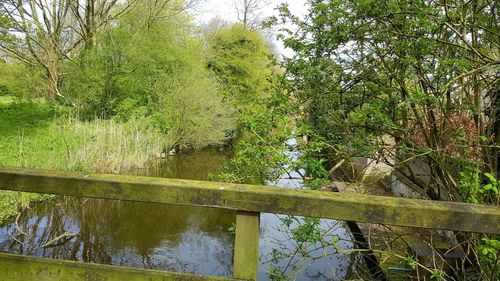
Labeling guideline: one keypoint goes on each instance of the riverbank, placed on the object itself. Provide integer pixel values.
(116, 232)
(39, 135)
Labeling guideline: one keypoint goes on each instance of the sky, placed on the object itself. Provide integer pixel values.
(225, 9)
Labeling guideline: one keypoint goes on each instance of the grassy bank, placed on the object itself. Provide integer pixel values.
(36, 135)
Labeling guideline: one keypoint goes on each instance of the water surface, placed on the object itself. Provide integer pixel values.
(169, 237)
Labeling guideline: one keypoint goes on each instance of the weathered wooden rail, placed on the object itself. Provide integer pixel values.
(248, 200)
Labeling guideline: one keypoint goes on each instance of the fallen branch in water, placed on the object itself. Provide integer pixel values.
(17, 225)
(15, 239)
(58, 238)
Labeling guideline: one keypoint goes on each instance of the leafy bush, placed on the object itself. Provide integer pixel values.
(479, 188)
(488, 250)
(20, 80)
(193, 112)
(240, 58)
(158, 73)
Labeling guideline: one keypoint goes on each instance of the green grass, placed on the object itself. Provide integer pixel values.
(5, 100)
(36, 135)
(23, 129)
(19, 122)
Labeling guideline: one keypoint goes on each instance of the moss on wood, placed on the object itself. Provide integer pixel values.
(254, 198)
(24, 268)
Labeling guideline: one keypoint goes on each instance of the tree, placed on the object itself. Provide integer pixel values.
(370, 69)
(248, 12)
(194, 111)
(147, 13)
(405, 83)
(91, 15)
(48, 32)
(240, 59)
(155, 72)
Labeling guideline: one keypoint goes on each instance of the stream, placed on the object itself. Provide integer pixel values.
(172, 237)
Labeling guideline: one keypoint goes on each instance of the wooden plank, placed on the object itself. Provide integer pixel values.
(246, 245)
(253, 198)
(25, 268)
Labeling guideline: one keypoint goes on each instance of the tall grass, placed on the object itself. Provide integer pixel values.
(105, 146)
(33, 136)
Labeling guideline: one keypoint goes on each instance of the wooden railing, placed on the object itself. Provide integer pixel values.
(248, 200)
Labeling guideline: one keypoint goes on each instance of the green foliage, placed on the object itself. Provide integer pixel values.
(20, 80)
(11, 202)
(260, 153)
(438, 275)
(5, 26)
(402, 83)
(240, 58)
(193, 111)
(314, 165)
(492, 187)
(489, 246)
(265, 124)
(367, 70)
(232, 229)
(411, 262)
(307, 231)
(477, 189)
(8, 206)
(37, 135)
(120, 75)
(488, 250)
(156, 72)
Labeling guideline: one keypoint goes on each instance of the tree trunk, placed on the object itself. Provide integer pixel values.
(495, 115)
(53, 73)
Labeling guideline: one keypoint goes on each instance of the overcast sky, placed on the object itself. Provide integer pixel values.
(226, 10)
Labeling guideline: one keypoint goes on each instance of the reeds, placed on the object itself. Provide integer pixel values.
(106, 146)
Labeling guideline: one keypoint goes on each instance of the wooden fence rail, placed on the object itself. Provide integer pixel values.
(249, 201)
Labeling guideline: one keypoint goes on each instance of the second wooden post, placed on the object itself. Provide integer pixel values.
(246, 245)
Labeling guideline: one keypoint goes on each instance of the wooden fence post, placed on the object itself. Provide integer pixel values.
(246, 245)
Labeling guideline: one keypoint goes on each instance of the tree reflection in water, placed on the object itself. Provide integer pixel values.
(146, 235)
(166, 237)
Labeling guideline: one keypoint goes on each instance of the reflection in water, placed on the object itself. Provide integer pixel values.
(166, 237)
(146, 235)
(314, 261)
(194, 165)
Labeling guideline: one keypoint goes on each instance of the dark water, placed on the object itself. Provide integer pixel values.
(168, 237)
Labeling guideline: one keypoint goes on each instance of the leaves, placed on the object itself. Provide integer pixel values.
(405, 83)
(438, 274)
(477, 191)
